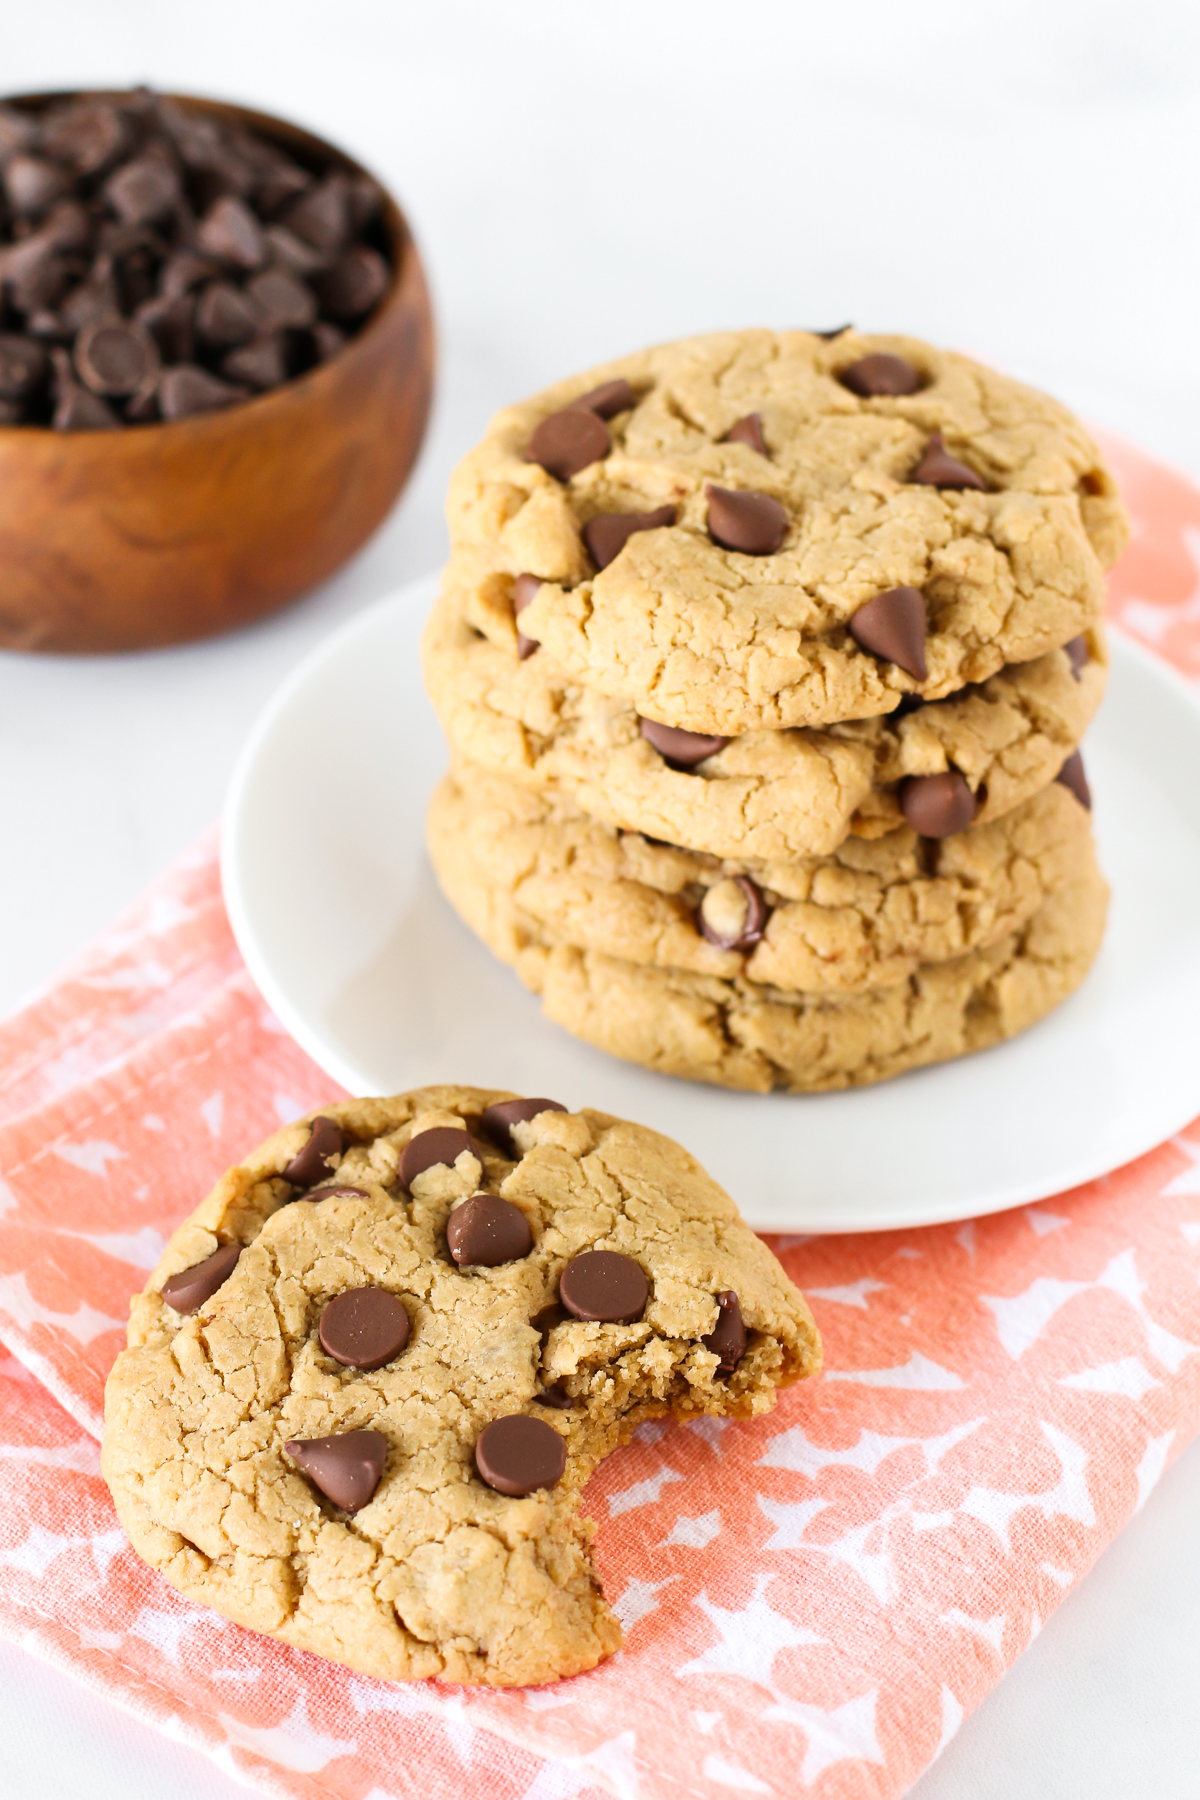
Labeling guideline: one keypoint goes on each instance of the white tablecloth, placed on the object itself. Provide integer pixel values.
(1018, 182)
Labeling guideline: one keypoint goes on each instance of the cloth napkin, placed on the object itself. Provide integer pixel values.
(813, 1601)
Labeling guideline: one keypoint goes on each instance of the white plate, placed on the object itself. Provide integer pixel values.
(338, 916)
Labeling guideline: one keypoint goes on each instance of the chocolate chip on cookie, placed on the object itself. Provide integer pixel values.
(681, 749)
(893, 626)
(441, 1144)
(498, 1120)
(569, 441)
(728, 1338)
(517, 1455)
(186, 1292)
(748, 431)
(524, 588)
(879, 374)
(346, 1466)
(556, 1396)
(364, 1328)
(325, 1143)
(336, 1190)
(486, 1231)
(1073, 778)
(604, 1285)
(1079, 654)
(607, 400)
(608, 533)
(937, 468)
(733, 913)
(937, 806)
(837, 332)
(743, 519)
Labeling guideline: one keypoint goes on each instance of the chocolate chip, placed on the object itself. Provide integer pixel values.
(346, 1467)
(23, 366)
(487, 1231)
(364, 1328)
(186, 269)
(325, 1142)
(568, 441)
(604, 1285)
(609, 399)
(517, 1455)
(262, 364)
(144, 191)
(188, 389)
(281, 299)
(733, 913)
(87, 134)
(748, 431)
(282, 182)
(75, 409)
(225, 316)
(293, 252)
(322, 215)
(1079, 654)
(337, 1190)
(230, 230)
(1072, 776)
(608, 533)
(893, 626)
(441, 1144)
(33, 185)
(837, 332)
(555, 1396)
(743, 519)
(169, 320)
(186, 1292)
(879, 374)
(681, 749)
(499, 1118)
(728, 1339)
(115, 357)
(356, 281)
(524, 588)
(11, 412)
(544, 1321)
(327, 340)
(936, 806)
(937, 468)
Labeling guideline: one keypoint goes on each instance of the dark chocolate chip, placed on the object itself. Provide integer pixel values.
(604, 1285)
(364, 1327)
(524, 588)
(936, 806)
(95, 298)
(881, 374)
(337, 1190)
(144, 191)
(733, 913)
(186, 1292)
(1072, 776)
(322, 215)
(517, 1455)
(837, 332)
(487, 1231)
(188, 389)
(728, 1339)
(169, 320)
(555, 1396)
(743, 519)
(893, 626)
(346, 1467)
(549, 1316)
(23, 366)
(441, 1144)
(325, 1142)
(87, 134)
(608, 533)
(568, 441)
(498, 1120)
(1079, 654)
(281, 183)
(225, 316)
(937, 468)
(355, 283)
(186, 269)
(681, 749)
(261, 364)
(33, 184)
(230, 230)
(327, 340)
(77, 410)
(748, 431)
(282, 299)
(609, 399)
(293, 252)
(115, 357)
(11, 412)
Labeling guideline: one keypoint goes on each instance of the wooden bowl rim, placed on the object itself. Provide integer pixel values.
(404, 253)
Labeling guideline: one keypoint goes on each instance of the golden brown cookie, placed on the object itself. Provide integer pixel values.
(369, 1378)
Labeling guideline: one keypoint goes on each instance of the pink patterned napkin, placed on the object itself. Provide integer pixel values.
(812, 1601)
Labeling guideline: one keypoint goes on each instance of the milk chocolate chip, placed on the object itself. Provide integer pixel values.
(569, 441)
(937, 468)
(486, 1231)
(936, 806)
(1077, 650)
(1072, 776)
(681, 749)
(733, 913)
(441, 1144)
(524, 588)
(881, 374)
(743, 519)
(325, 1141)
(186, 1292)
(608, 533)
(748, 431)
(346, 1467)
(517, 1455)
(604, 1285)
(607, 400)
(893, 626)
(499, 1118)
(728, 1339)
(364, 1328)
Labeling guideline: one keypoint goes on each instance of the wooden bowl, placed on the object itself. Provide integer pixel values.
(160, 533)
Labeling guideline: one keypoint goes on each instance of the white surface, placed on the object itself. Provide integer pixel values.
(338, 915)
(1017, 180)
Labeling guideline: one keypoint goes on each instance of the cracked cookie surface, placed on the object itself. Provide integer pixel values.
(766, 794)
(528, 873)
(437, 1574)
(700, 636)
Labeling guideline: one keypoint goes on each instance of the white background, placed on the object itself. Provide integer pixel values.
(1017, 180)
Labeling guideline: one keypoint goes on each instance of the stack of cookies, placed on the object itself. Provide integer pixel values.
(764, 658)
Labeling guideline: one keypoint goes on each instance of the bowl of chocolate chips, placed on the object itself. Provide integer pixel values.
(216, 363)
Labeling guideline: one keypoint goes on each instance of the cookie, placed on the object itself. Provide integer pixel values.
(857, 544)
(527, 871)
(372, 1373)
(767, 794)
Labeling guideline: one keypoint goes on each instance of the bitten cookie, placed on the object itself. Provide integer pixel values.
(755, 530)
(368, 1380)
